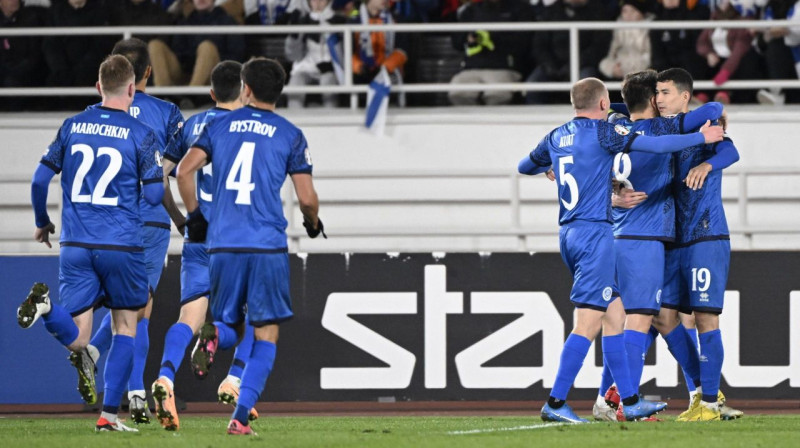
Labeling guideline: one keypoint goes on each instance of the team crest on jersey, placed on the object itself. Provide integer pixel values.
(622, 130)
(159, 159)
(658, 296)
(607, 293)
(308, 156)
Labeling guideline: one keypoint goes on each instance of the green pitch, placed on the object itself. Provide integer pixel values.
(462, 432)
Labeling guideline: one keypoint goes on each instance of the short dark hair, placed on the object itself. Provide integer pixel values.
(586, 92)
(226, 81)
(681, 78)
(135, 50)
(638, 89)
(115, 73)
(265, 78)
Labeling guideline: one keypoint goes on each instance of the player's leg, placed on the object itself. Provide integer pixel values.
(125, 286)
(705, 265)
(156, 243)
(687, 320)
(268, 304)
(591, 291)
(228, 391)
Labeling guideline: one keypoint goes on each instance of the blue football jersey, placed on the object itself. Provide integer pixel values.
(102, 155)
(700, 215)
(181, 143)
(252, 151)
(651, 173)
(581, 153)
(166, 120)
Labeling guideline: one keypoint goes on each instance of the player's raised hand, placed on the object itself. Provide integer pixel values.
(627, 198)
(550, 174)
(712, 134)
(42, 234)
(697, 176)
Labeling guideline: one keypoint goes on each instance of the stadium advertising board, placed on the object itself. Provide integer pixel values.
(464, 326)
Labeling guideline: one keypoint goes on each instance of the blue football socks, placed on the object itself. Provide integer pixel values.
(711, 356)
(102, 337)
(60, 324)
(142, 345)
(178, 338)
(227, 335)
(242, 353)
(636, 348)
(255, 377)
(679, 345)
(118, 368)
(606, 380)
(614, 352)
(691, 335)
(572, 355)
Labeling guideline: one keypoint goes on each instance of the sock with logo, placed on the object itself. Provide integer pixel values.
(572, 355)
(254, 378)
(711, 357)
(178, 338)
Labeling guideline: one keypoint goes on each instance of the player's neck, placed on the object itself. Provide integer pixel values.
(635, 116)
(116, 103)
(233, 105)
(262, 105)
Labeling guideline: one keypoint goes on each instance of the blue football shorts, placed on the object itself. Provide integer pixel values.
(640, 274)
(251, 284)
(91, 277)
(195, 277)
(696, 276)
(156, 243)
(587, 249)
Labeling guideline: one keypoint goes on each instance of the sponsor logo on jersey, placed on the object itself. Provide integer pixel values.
(622, 130)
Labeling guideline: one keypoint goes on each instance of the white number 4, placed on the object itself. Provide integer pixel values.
(243, 168)
(566, 179)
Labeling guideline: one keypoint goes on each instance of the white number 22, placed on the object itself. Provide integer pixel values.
(566, 179)
(243, 168)
(97, 196)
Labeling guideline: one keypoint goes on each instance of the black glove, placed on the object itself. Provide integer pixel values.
(312, 232)
(197, 225)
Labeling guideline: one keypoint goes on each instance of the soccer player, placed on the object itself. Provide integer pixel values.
(696, 270)
(252, 150)
(640, 232)
(195, 284)
(103, 154)
(579, 155)
(165, 118)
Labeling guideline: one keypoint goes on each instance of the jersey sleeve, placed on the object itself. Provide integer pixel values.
(299, 158)
(149, 159)
(615, 138)
(540, 155)
(203, 140)
(176, 146)
(175, 123)
(53, 158)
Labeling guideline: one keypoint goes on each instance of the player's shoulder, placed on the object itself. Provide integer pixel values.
(165, 107)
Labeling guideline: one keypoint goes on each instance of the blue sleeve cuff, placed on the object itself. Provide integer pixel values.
(726, 155)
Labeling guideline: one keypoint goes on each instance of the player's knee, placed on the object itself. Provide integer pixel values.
(706, 322)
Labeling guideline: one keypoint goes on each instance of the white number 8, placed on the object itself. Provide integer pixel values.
(622, 169)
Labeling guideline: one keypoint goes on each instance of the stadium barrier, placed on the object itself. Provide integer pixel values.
(430, 326)
(348, 30)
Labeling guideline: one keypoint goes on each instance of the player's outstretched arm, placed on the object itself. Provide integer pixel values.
(309, 204)
(698, 117)
(674, 143)
(526, 166)
(39, 188)
(168, 202)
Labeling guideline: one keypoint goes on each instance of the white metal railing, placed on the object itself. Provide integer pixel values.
(347, 32)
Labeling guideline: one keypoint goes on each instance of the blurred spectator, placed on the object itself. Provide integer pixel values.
(309, 52)
(729, 54)
(781, 50)
(234, 8)
(21, 63)
(377, 49)
(551, 48)
(416, 11)
(73, 60)
(194, 56)
(268, 12)
(630, 48)
(491, 57)
(139, 13)
(677, 48)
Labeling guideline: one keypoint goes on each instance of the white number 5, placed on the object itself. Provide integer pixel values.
(566, 179)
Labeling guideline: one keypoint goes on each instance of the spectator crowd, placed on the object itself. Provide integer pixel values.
(479, 56)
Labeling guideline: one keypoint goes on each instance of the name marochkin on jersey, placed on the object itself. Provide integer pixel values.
(103, 154)
(252, 151)
(581, 153)
(653, 219)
